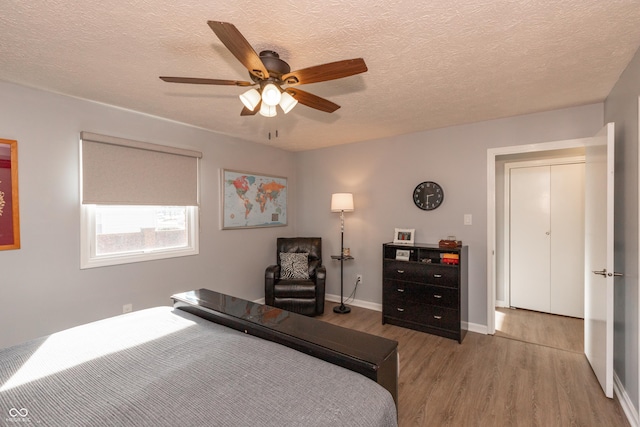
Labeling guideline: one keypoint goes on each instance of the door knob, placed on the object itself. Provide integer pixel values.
(604, 273)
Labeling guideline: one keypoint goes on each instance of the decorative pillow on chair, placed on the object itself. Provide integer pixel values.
(294, 265)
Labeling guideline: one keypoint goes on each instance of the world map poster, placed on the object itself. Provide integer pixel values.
(253, 200)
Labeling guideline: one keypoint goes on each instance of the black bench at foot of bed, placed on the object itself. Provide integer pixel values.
(372, 356)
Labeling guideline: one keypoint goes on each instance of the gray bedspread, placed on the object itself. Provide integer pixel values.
(165, 367)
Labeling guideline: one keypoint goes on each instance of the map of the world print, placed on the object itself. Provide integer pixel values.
(253, 200)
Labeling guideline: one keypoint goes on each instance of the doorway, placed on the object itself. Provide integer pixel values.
(544, 253)
(544, 235)
(599, 245)
(496, 271)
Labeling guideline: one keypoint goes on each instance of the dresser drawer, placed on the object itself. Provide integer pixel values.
(432, 274)
(442, 275)
(401, 270)
(396, 290)
(438, 317)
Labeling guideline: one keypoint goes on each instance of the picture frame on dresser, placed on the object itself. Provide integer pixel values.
(403, 254)
(404, 236)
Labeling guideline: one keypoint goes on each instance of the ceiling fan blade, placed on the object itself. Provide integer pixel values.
(313, 101)
(324, 72)
(246, 112)
(199, 81)
(240, 47)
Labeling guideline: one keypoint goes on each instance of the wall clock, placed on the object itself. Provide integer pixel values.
(428, 195)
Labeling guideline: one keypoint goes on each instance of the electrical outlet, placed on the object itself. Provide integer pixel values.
(359, 279)
(127, 308)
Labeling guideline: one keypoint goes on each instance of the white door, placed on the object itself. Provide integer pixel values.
(598, 300)
(530, 228)
(567, 240)
(546, 218)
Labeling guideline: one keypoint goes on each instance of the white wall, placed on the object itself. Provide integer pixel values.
(382, 175)
(42, 288)
(621, 107)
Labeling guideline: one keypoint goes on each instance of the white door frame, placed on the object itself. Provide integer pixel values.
(492, 156)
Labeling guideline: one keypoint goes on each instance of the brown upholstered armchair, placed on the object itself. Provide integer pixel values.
(296, 283)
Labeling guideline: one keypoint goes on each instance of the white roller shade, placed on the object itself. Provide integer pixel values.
(118, 171)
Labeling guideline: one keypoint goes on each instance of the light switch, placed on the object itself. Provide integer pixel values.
(467, 219)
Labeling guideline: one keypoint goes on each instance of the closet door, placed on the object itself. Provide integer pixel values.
(567, 239)
(530, 242)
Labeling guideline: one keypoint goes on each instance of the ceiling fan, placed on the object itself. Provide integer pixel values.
(271, 73)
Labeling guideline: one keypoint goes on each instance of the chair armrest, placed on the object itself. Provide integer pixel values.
(272, 272)
(271, 275)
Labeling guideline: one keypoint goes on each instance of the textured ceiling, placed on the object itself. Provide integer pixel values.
(431, 64)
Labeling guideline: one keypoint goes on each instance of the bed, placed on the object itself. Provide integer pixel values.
(166, 366)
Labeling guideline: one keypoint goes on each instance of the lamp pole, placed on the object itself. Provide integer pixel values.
(342, 202)
(342, 309)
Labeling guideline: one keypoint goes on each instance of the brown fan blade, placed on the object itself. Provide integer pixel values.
(324, 72)
(240, 47)
(246, 112)
(199, 81)
(313, 101)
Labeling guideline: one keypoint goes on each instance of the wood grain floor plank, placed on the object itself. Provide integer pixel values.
(488, 380)
(541, 328)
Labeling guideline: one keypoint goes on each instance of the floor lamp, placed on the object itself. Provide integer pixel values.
(342, 202)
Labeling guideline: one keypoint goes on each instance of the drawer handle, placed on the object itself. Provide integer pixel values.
(400, 290)
(401, 271)
(437, 296)
(437, 276)
(400, 309)
(437, 317)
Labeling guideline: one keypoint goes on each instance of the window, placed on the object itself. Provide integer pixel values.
(139, 201)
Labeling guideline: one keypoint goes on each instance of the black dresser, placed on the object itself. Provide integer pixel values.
(425, 288)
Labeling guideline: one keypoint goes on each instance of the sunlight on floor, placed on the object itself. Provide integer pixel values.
(500, 318)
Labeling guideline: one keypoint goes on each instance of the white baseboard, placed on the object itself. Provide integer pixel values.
(471, 327)
(626, 403)
(475, 327)
(355, 302)
(501, 304)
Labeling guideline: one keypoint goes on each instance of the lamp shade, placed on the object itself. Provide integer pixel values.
(268, 110)
(342, 202)
(287, 102)
(250, 99)
(271, 94)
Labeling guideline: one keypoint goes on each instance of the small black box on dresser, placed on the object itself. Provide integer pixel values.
(425, 287)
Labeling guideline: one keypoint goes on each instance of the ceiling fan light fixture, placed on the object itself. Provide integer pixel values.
(250, 99)
(271, 94)
(268, 110)
(287, 102)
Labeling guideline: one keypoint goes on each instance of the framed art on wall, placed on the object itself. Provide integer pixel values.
(9, 208)
(251, 200)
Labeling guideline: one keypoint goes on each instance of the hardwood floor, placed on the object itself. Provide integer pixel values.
(487, 380)
(561, 332)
